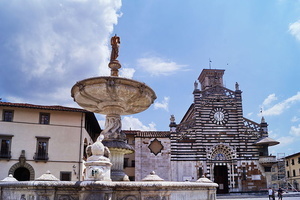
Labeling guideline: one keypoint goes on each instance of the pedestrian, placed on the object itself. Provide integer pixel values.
(271, 194)
(280, 191)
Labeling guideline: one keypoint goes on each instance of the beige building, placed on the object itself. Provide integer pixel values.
(292, 168)
(34, 139)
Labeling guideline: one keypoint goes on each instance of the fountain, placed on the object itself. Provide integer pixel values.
(104, 177)
(114, 96)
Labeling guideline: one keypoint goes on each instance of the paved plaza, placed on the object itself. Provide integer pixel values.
(286, 196)
(257, 198)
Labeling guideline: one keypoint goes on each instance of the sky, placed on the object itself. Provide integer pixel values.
(47, 46)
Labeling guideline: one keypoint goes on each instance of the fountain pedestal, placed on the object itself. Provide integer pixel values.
(97, 171)
(98, 165)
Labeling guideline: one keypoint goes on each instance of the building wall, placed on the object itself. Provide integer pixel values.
(146, 161)
(65, 144)
(185, 171)
(293, 171)
(129, 164)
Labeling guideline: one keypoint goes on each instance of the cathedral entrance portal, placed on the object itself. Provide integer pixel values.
(221, 177)
(222, 155)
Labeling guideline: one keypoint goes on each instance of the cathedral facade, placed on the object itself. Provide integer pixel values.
(213, 139)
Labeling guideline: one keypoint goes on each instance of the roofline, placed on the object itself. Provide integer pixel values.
(187, 112)
(147, 134)
(138, 131)
(295, 154)
(43, 107)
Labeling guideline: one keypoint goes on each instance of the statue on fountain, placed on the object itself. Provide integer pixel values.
(98, 163)
(114, 63)
(97, 151)
(115, 42)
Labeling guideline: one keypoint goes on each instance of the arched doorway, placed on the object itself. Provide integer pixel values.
(221, 156)
(22, 174)
(221, 178)
(22, 170)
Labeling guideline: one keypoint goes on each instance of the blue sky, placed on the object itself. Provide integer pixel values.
(46, 46)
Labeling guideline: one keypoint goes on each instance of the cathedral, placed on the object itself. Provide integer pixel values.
(213, 139)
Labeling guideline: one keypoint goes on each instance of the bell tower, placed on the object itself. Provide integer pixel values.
(211, 77)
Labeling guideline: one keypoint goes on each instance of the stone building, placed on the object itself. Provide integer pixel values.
(35, 138)
(212, 139)
(292, 167)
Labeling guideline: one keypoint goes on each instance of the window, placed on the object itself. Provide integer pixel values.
(44, 118)
(293, 162)
(65, 176)
(294, 173)
(298, 160)
(8, 115)
(5, 145)
(42, 144)
(288, 174)
(287, 163)
(244, 176)
(125, 162)
(133, 163)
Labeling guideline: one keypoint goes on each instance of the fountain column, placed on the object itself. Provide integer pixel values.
(114, 139)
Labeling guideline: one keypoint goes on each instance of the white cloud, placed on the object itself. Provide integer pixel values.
(101, 120)
(295, 119)
(131, 123)
(49, 45)
(294, 29)
(157, 66)
(269, 100)
(279, 108)
(249, 114)
(127, 72)
(162, 105)
(295, 130)
(286, 140)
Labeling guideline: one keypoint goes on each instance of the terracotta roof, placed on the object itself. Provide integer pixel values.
(147, 134)
(43, 107)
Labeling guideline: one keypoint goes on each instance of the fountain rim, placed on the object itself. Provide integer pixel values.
(128, 184)
(107, 78)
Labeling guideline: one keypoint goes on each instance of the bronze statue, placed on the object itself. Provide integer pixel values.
(115, 41)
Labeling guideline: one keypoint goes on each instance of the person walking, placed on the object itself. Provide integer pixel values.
(280, 191)
(271, 194)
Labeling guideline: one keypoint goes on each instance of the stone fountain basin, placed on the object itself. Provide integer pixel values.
(162, 190)
(113, 95)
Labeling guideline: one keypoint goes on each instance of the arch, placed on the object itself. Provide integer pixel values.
(22, 174)
(222, 152)
(26, 166)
